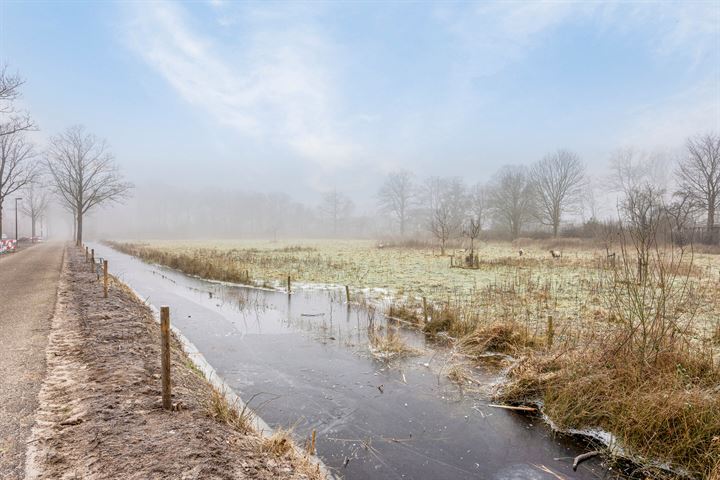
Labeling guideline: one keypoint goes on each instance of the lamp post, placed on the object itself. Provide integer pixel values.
(17, 199)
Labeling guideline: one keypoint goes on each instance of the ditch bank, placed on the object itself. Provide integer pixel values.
(101, 415)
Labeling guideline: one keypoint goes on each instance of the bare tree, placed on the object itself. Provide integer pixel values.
(13, 121)
(36, 200)
(396, 197)
(681, 214)
(18, 166)
(698, 176)
(84, 173)
(511, 198)
(557, 182)
(446, 200)
(639, 179)
(631, 170)
(477, 212)
(336, 207)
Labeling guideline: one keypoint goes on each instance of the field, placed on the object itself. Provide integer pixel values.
(598, 348)
(527, 288)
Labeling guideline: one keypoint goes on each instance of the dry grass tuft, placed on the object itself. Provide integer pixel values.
(221, 410)
(405, 312)
(506, 338)
(389, 346)
(280, 444)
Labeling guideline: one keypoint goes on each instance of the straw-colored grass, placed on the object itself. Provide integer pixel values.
(388, 346)
(218, 407)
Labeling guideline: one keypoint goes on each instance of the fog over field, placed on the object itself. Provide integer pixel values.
(265, 107)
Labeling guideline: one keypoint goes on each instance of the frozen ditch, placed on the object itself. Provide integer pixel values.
(304, 362)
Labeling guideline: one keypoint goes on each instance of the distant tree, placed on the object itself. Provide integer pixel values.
(336, 207)
(477, 212)
(698, 175)
(631, 170)
(13, 121)
(84, 173)
(511, 198)
(396, 196)
(446, 200)
(35, 202)
(557, 183)
(18, 166)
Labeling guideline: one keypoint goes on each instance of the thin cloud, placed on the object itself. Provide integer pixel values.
(278, 85)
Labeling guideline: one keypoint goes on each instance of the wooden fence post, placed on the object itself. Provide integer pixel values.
(425, 311)
(289, 289)
(550, 332)
(92, 259)
(86, 254)
(165, 356)
(105, 279)
(347, 294)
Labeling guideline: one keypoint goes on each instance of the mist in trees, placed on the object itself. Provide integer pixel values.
(336, 208)
(18, 156)
(557, 184)
(397, 196)
(35, 203)
(698, 177)
(84, 174)
(544, 197)
(511, 197)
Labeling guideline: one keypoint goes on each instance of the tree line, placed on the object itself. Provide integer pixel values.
(76, 166)
(555, 188)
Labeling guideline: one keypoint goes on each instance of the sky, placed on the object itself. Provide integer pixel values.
(304, 97)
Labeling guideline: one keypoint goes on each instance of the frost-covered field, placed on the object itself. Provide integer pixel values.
(507, 285)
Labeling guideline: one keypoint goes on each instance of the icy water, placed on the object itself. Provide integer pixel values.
(304, 361)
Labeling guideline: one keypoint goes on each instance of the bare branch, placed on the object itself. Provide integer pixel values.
(84, 173)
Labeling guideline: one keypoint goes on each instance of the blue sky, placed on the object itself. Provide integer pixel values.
(304, 97)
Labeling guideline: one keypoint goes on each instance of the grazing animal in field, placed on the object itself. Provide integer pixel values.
(556, 253)
(521, 252)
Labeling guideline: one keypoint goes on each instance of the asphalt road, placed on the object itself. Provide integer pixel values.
(28, 287)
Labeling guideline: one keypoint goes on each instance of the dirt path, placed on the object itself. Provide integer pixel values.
(100, 414)
(28, 286)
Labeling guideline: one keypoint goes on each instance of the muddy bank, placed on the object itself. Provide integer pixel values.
(100, 413)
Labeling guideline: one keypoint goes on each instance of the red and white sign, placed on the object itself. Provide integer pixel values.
(7, 246)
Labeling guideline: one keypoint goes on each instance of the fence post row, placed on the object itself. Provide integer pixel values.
(165, 356)
(105, 279)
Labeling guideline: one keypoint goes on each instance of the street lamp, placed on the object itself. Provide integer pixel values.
(17, 199)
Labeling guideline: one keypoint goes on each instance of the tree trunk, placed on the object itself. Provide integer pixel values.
(711, 222)
(402, 226)
(556, 227)
(79, 229)
(711, 214)
(33, 219)
(1, 219)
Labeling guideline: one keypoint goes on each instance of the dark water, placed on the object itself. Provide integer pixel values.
(304, 362)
